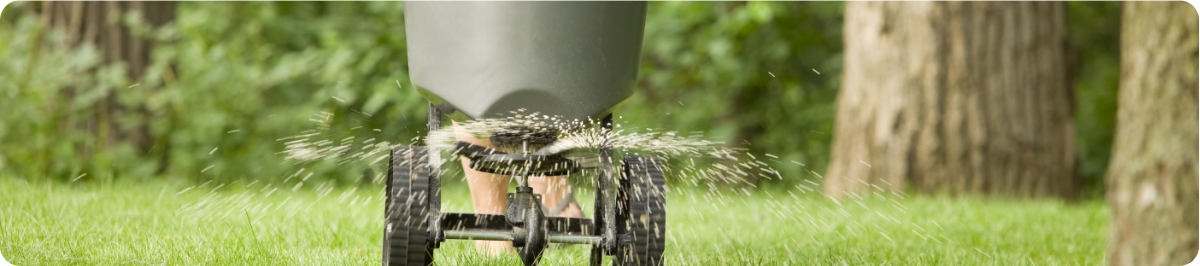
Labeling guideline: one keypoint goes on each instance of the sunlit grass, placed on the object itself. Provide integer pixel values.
(135, 224)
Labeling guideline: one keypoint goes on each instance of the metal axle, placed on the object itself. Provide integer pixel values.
(507, 236)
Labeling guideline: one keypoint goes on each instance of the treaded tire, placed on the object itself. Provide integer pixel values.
(642, 212)
(406, 227)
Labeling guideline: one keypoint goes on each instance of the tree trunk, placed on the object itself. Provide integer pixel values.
(1152, 175)
(101, 24)
(954, 97)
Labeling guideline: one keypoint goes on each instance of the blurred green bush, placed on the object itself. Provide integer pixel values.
(230, 76)
(758, 75)
(240, 76)
(1093, 35)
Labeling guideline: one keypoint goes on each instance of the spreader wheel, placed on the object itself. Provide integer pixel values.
(642, 212)
(406, 227)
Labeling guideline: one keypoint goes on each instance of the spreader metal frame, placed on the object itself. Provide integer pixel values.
(563, 230)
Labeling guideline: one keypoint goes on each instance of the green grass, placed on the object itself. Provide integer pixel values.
(154, 224)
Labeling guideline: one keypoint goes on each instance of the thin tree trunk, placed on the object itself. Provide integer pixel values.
(101, 24)
(957, 97)
(1152, 176)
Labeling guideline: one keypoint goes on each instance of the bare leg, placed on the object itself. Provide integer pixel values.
(488, 192)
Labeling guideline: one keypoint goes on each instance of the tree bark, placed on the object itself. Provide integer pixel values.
(954, 97)
(101, 24)
(1152, 176)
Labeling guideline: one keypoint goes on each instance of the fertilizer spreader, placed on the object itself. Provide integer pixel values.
(481, 60)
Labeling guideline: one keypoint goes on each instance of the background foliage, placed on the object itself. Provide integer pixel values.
(239, 76)
(263, 69)
(748, 74)
(1093, 36)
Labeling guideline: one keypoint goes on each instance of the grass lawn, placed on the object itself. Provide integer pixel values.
(156, 224)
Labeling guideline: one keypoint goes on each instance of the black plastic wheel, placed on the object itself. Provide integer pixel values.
(406, 227)
(641, 212)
